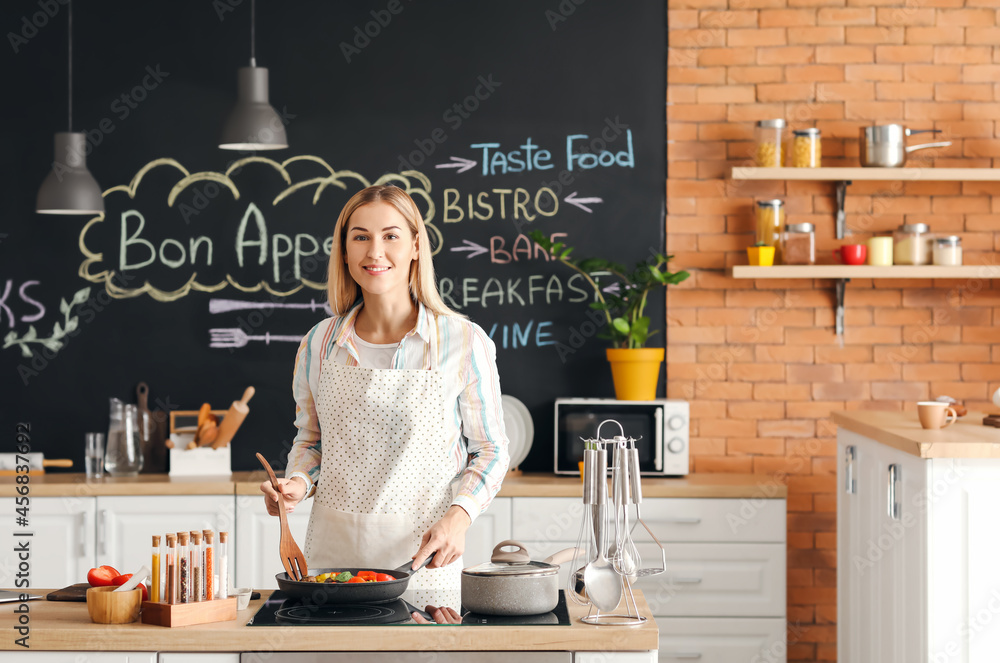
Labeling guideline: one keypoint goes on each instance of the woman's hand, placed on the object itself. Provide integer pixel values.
(446, 538)
(293, 490)
(439, 615)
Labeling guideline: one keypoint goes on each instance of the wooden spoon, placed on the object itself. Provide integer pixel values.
(291, 556)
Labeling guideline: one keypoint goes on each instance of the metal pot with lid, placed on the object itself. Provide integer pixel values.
(884, 146)
(512, 584)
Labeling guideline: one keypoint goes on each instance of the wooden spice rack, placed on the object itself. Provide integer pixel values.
(186, 614)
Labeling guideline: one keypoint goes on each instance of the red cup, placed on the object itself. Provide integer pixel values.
(852, 254)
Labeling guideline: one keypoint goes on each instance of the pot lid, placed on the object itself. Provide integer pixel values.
(510, 563)
(529, 569)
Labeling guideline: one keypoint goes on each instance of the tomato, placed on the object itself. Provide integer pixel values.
(367, 575)
(124, 578)
(102, 576)
(357, 579)
(382, 577)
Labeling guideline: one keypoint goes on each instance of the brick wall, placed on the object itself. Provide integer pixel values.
(759, 361)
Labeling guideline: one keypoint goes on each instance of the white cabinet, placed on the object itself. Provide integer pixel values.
(725, 565)
(78, 656)
(490, 528)
(917, 545)
(61, 545)
(126, 525)
(257, 536)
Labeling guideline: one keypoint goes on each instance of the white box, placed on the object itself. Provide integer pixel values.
(200, 461)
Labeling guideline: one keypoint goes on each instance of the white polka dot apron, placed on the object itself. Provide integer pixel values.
(386, 475)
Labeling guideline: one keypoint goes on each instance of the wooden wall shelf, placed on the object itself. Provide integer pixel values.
(868, 174)
(844, 273)
(866, 272)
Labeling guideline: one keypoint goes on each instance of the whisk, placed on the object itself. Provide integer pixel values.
(625, 558)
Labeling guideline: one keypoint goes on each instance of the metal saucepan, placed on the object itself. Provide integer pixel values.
(511, 584)
(884, 146)
(343, 593)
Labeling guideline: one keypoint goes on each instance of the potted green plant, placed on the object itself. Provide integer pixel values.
(634, 367)
(760, 255)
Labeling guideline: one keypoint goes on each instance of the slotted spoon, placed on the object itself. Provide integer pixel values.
(291, 557)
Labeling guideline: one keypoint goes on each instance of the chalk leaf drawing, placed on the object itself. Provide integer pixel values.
(53, 342)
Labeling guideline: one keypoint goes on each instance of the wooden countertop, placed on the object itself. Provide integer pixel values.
(248, 483)
(64, 626)
(966, 438)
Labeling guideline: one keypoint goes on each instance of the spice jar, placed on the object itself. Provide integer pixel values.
(948, 250)
(770, 147)
(806, 149)
(770, 221)
(799, 244)
(912, 244)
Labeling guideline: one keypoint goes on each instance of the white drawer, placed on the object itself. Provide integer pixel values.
(671, 519)
(721, 640)
(716, 580)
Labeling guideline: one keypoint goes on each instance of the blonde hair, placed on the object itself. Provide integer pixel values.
(341, 288)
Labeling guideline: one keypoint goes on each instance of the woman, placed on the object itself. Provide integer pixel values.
(401, 438)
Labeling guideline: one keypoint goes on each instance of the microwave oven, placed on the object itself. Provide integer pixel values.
(659, 426)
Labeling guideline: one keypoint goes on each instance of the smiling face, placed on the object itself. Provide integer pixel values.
(379, 248)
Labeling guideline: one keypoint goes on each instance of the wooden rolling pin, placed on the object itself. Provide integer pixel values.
(233, 419)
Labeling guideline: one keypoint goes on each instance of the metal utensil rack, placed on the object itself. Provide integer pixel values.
(626, 491)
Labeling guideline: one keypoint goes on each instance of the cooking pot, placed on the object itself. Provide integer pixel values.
(511, 584)
(884, 146)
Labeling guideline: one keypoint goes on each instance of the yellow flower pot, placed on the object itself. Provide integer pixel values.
(761, 256)
(636, 372)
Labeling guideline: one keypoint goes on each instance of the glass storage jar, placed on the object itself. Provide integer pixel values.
(770, 221)
(911, 244)
(770, 135)
(806, 149)
(799, 244)
(948, 250)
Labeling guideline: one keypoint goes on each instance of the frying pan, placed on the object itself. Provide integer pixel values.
(345, 593)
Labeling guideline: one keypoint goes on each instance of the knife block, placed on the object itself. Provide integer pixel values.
(186, 614)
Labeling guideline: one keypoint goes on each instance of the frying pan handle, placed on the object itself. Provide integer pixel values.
(519, 556)
(405, 568)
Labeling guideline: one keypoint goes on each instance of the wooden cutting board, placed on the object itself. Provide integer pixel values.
(77, 592)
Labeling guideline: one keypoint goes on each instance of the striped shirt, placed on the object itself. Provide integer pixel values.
(473, 418)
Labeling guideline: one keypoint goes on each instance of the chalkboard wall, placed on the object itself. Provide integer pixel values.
(499, 117)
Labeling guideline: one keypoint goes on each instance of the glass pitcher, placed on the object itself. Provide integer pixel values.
(123, 455)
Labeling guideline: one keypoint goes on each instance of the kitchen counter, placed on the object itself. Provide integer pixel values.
(966, 438)
(515, 485)
(64, 626)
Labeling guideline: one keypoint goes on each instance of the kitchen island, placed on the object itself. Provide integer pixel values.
(917, 541)
(61, 626)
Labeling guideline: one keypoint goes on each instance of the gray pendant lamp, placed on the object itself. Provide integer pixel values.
(253, 124)
(69, 187)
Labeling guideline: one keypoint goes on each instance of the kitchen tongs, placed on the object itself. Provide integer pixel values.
(291, 557)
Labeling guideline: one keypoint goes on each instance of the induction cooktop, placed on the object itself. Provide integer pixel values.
(282, 610)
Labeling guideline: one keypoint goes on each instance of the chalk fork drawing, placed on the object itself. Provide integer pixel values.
(54, 341)
(415, 183)
(237, 338)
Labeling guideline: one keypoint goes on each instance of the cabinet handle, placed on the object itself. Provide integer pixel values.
(681, 654)
(892, 493)
(82, 533)
(850, 483)
(685, 581)
(102, 540)
(680, 520)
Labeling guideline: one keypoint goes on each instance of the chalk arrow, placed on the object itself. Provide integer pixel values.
(473, 248)
(460, 163)
(613, 289)
(582, 202)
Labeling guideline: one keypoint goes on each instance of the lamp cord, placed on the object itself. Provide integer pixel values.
(253, 34)
(69, 61)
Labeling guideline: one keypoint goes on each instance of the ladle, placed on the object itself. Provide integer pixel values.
(603, 583)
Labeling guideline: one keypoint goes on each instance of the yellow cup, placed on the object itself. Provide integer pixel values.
(880, 251)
